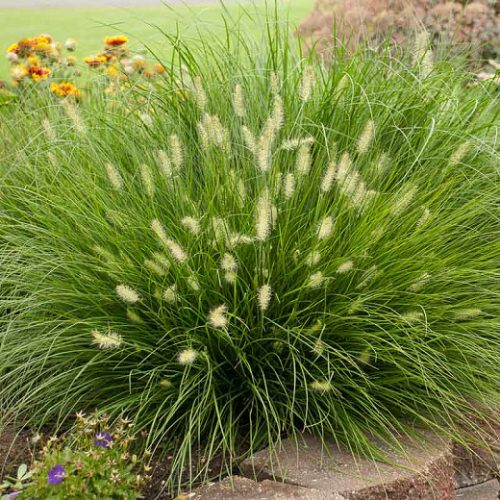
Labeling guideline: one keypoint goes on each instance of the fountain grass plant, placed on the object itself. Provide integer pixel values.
(257, 246)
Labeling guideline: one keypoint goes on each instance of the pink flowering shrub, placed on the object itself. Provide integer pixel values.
(476, 22)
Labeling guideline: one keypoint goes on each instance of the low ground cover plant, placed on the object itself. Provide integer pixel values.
(260, 246)
(93, 460)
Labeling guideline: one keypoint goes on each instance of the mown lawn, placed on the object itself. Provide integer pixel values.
(142, 24)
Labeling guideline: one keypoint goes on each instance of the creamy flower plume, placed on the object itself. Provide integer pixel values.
(278, 113)
(187, 357)
(49, 130)
(344, 167)
(203, 135)
(303, 162)
(229, 263)
(264, 146)
(193, 283)
(421, 46)
(146, 119)
(164, 164)
(426, 65)
(192, 224)
(200, 97)
(162, 260)
(177, 151)
(413, 316)
(147, 180)
(321, 386)
(345, 267)
(249, 139)
(288, 185)
(238, 101)
(325, 228)
(219, 228)
(316, 280)
(154, 267)
(217, 316)
(127, 294)
(170, 294)
(109, 340)
(114, 177)
(264, 217)
(403, 200)
(313, 258)
(360, 193)
(466, 314)
(307, 83)
(212, 132)
(291, 144)
(230, 277)
(424, 217)
(366, 137)
(328, 177)
(236, 239)
(264, 297)
(459, 154)
(175, 249)
(74, 115)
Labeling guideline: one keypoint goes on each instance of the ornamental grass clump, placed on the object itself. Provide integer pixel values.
(260, 246)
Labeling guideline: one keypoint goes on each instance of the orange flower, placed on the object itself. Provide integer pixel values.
(158, 68)
(95, 61)
(115, 41)
(65, 89)
(38, 73)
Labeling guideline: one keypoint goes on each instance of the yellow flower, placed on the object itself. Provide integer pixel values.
(112, 71)
(34, 61)
(14, 47)
(115, 41)
(42, 43)
(95, 61)
(65, 89)
(71, 60)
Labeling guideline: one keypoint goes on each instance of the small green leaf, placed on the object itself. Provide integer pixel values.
(21, 471)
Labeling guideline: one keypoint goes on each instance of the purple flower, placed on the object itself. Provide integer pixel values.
(103, 439)
(56, 474)
(12, 495)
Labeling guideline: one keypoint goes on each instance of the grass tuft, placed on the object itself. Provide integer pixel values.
(257, 246)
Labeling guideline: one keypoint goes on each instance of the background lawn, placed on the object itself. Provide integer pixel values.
(90, 25)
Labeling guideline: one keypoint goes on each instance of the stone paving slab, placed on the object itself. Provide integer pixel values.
(241, 488)
(424, 471)
(490, 490)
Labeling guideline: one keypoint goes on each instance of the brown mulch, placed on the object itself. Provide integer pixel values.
(15, 449)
